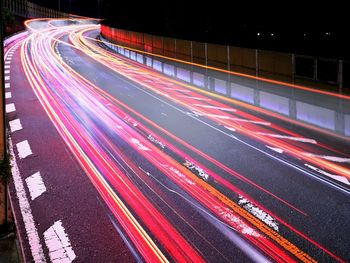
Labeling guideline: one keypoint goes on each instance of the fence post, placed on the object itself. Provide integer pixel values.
(293, 68)
(191, 52)
(256, 62)
(228, 82)
(340, 76)
(315, 69)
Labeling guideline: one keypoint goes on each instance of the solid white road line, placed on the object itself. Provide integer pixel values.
(23, 149)
(10, 108)
(28, 220)
(8, 95)
(15, 125)
(58, 243)
(35, 185)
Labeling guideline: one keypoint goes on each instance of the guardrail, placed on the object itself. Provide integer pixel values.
(295, 69)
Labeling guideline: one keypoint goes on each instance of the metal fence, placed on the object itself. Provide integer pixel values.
(28, 9)
(296, 69)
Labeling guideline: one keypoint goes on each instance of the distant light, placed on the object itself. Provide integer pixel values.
(272, 34)
(328, 33)
(304, 34)
(258, 34)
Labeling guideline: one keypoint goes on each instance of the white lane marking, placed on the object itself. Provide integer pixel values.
(181, 90)
(257, 212)
(275, 149)
(298, 139)
(58, 243)
(230, 128)
(26, 212)
(7, 85)
(7, 71)
(35, 185)
(265, 123)
(7, 66)
(23, 149)
(7, 78)
(15, 125)
(8, 95)
(336, 177)
(330, 158)
(7, 62)
(195, 98)
(215, 116)
(139, 144)
(214, 107)
(10, 108)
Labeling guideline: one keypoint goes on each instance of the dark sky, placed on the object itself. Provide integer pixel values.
(227, 22)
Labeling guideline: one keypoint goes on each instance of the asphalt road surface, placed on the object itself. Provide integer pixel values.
(114, 162)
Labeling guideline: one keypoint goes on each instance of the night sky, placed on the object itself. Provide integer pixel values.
(289, 26)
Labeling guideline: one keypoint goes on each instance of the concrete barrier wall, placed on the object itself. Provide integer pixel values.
(326, 112)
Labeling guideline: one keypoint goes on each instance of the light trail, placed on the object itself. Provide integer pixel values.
(110, 145)
(136, 73)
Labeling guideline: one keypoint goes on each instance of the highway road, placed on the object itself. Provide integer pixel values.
(115, 162)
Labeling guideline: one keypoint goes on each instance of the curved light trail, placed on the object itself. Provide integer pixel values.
(147, 176)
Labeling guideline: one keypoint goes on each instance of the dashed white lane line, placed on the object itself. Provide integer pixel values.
(275, 149)
(330, 158)
(7, 66)
(7, 78)
(6, 71)
(7, 62)
(58, 243)
(35, 185)
(195, 98)
(23, 149)
(8, 95)
(10, 108)
(230, 128)
(7, 85)
(214, 107)
(336, 177)
(15, 125)
(298, 139)
(181, 90)
(257, 212)
(28, 220)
